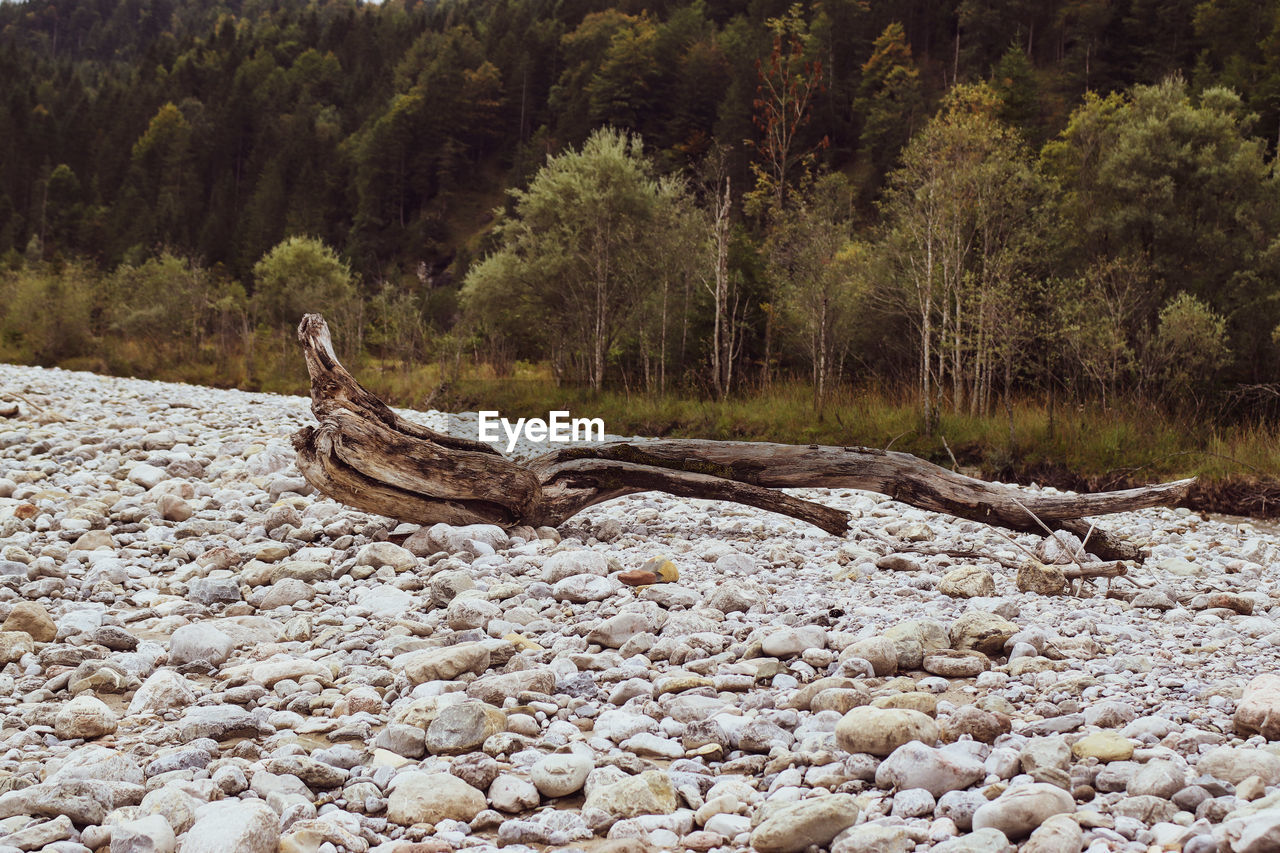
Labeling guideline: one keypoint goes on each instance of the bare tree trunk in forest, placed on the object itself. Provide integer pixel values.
(766, 376)
(734, 348)
(722, 292)
(662, 355)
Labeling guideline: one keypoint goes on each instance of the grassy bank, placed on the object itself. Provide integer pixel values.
(1080, 447)
(1123, 444)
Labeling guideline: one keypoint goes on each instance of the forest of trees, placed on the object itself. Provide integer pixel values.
(1074, 199)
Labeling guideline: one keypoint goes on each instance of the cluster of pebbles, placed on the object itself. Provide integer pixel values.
(201, 654)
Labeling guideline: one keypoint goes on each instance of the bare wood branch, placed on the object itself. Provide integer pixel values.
(1113, 569)
(365, 455)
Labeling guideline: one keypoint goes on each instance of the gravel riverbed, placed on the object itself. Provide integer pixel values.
(200, 653)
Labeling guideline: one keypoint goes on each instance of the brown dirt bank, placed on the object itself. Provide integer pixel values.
(1246, 495)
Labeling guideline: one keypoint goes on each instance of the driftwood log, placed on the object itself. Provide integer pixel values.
(366, 456)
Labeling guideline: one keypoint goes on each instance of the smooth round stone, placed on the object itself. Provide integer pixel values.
(1019, 810)
(796, 826)
(879, 731)
(954, 664)
(913, 802)
(560, 774)
(917, 766)
(1104, 746)
(86, 716)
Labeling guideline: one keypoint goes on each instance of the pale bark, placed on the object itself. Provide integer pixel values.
(366, 456)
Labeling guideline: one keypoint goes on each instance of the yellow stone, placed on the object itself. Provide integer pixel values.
(521, 642)
(680, 683)
(272, 552)
(663, 568)
(1104, 746)
(767, 668)
(387, 758)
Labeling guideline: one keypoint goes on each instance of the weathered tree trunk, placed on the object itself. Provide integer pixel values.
(366, 456)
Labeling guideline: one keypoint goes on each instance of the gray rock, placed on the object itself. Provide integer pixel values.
(85, 716)
(219, 722)
(560, 774)
(409, 741)
(911, 639)
(496, 688)
(879, 731)
(789, 642)
(979, 841)
(967, 582)
(739, 596)
(1046, 759)
(566, 564)
(149, 834)
(1058, 834)
(97, 762)
(1154, 599)
(761, 735)
(584, 587)
(164, 690)
(246, 826)
(38, 835)
(650, 792)
(914, 765)
(85, 801)
(616, 630)
(1110, 715)
(209, 591)
(1019, 810)
(512, 794)
(1256, 833)
(1258, 711)
(913, 802)
(199, 641)
(1146, 808)
(880, 652)
(445, 664)
(316, 774)
(872, 838)
(419, 797)
(377, 554)
(1235, 764)
(949, 663)
(960, 806)
(982, 631)
(1159, 778)
(147, 476)
(448, 585)
(795, 826)
(284, 593)
(465, 613)
(463, 727)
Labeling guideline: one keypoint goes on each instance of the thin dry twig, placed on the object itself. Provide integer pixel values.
(1053, 533)
(1093, 525)
(955, 466)
(14, 395)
